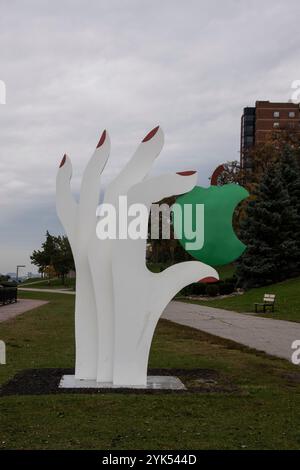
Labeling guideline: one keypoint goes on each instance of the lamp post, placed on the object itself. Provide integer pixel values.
(19, 266)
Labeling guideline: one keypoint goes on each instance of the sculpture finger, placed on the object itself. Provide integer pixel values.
(65, 204)
(90, 184)
(173, 279)
(138, 166)
(160, 187)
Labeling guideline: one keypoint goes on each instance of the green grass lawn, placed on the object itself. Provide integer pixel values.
(55, 283)
(261, 412)
(287, 305)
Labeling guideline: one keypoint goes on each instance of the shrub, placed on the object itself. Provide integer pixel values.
(9, 284)
(231, 280)
(187, 290)
(226, 288)
(212, 290)
(198, 288)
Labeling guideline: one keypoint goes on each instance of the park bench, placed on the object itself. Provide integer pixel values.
(8, 295)
(268, 302)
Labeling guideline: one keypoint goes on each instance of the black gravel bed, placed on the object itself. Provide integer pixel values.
(46, 381)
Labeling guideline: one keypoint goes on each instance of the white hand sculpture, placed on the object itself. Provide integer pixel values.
(140, 296)
(100, 251)
(118, 300)
(79, 221)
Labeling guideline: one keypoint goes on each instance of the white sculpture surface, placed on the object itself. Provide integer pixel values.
(79, 221)
(2, 352)
(100, 252)
(118, 300)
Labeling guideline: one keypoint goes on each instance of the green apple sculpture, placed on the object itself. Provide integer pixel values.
(220, 243)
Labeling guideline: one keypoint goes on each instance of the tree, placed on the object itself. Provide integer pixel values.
(226, 173)
(290, 173)
(4, 278)
(165, 251)
(261, 155)
(268, 230)
(55, 254)
(62, 257)
(43, 257)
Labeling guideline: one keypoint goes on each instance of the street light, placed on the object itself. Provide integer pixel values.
(19, 266)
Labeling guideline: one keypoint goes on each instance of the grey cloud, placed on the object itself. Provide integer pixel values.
(74, 67)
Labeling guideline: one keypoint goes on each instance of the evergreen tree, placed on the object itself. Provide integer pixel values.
(62, 259)
(290, 175)
(268, 231)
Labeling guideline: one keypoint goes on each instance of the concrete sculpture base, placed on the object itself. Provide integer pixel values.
(154, 382)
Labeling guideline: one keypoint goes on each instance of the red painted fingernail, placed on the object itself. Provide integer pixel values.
(102, 139)
(186, 173)
(208, 279)
(63, 161)
(151, 134)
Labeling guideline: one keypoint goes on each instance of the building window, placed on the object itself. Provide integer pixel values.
(292, 114)
(276, 125)
(291, 125)
(249, 130)
(276, 114)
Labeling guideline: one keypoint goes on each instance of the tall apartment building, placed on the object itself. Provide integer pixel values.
(259, 122)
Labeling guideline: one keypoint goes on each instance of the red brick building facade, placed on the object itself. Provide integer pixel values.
(259, 123)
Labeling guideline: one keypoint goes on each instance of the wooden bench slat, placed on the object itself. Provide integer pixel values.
(268, 301)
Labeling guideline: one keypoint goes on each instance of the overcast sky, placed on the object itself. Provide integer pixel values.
(75, 67)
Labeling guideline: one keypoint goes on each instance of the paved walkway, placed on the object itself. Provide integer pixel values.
(271, 336)
(23, 305)
(264, 334)
(53, 291)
